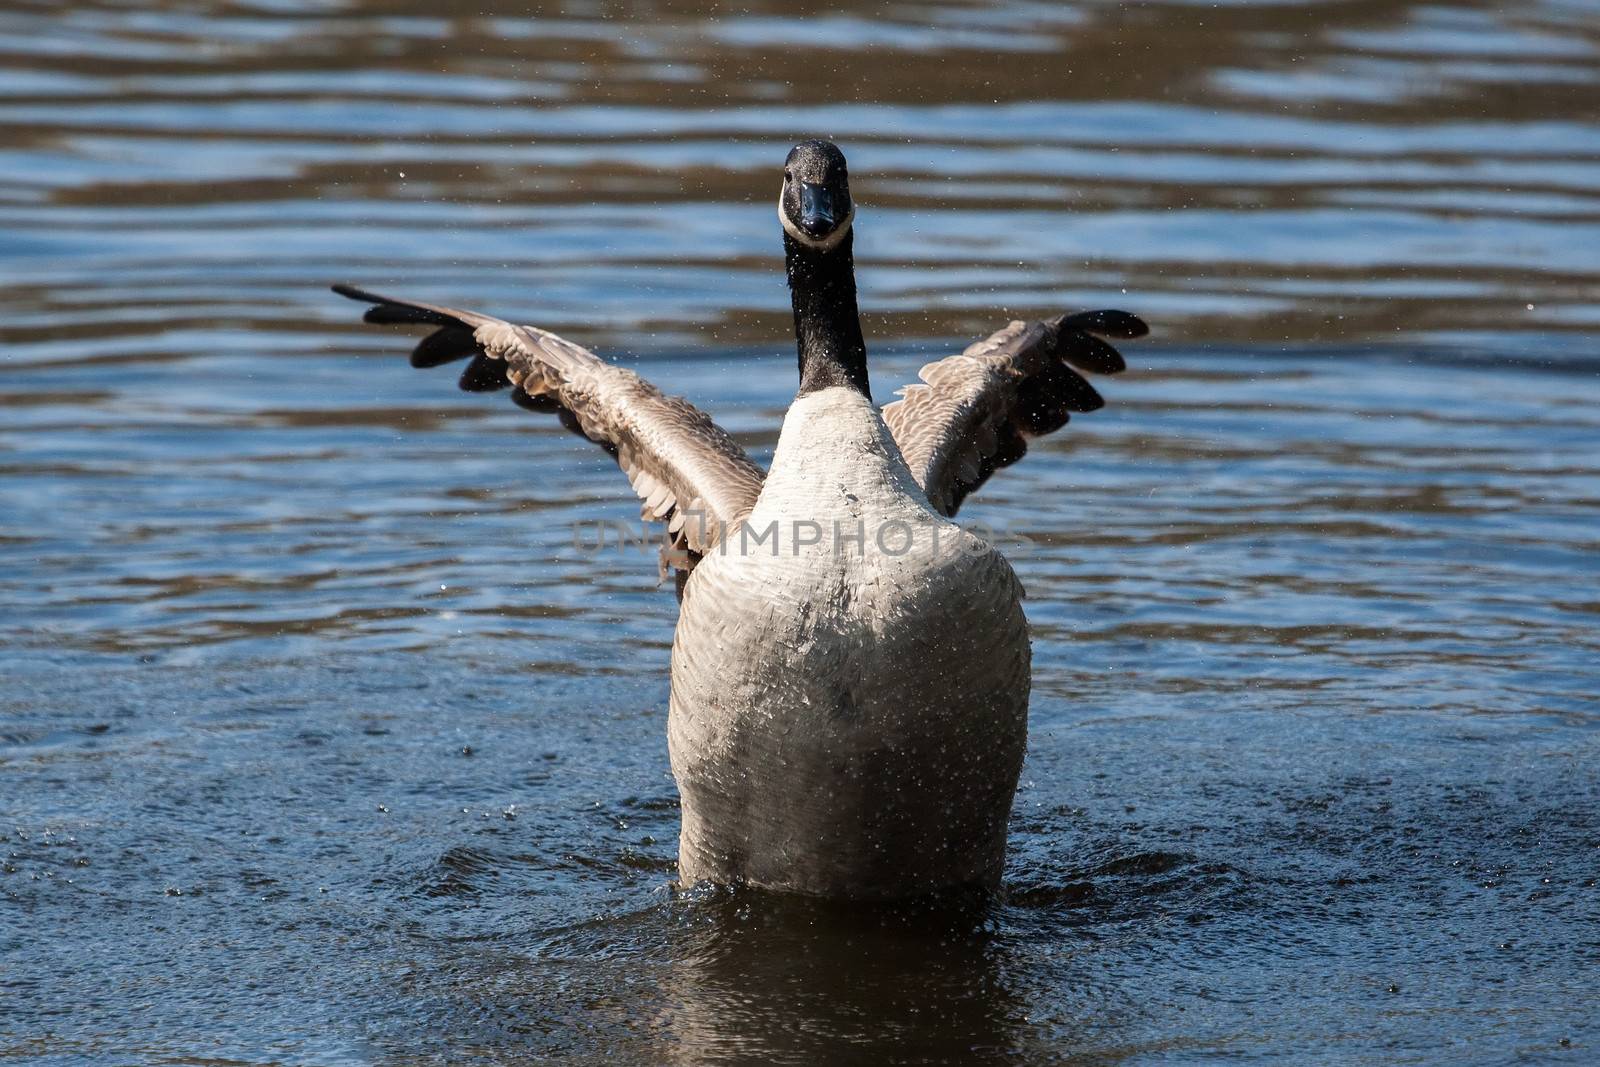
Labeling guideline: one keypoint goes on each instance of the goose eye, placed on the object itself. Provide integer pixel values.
(787, 176)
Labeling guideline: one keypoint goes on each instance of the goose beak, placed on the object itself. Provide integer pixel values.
(817, 216)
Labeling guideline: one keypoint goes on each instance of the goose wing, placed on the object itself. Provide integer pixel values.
(689, 473)
(975, 413)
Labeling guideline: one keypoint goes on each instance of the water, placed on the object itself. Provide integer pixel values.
(321, 740)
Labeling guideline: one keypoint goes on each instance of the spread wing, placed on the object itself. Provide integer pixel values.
(975, 413)
(688, 472)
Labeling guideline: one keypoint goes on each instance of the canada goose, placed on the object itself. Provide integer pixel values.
(850, 670)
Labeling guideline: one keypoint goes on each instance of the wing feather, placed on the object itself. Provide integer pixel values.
(687, 471)
(974, 413)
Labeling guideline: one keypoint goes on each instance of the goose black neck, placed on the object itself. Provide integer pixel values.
(822, 287)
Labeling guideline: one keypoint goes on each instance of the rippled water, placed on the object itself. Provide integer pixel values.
(321, 740)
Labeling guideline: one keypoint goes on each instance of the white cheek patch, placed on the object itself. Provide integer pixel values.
(821, 243)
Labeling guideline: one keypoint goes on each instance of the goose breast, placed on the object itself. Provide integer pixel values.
(849, 679)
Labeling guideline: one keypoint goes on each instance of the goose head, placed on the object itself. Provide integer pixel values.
(815, 206)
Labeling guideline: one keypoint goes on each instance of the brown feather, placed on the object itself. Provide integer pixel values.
(444, 346)
(972, 413)
(669, 449)
(484, 374)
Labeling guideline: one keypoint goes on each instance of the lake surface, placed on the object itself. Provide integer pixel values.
(327, 737)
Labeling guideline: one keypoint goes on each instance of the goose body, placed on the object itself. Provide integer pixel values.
(848, 713)
(850, 669)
